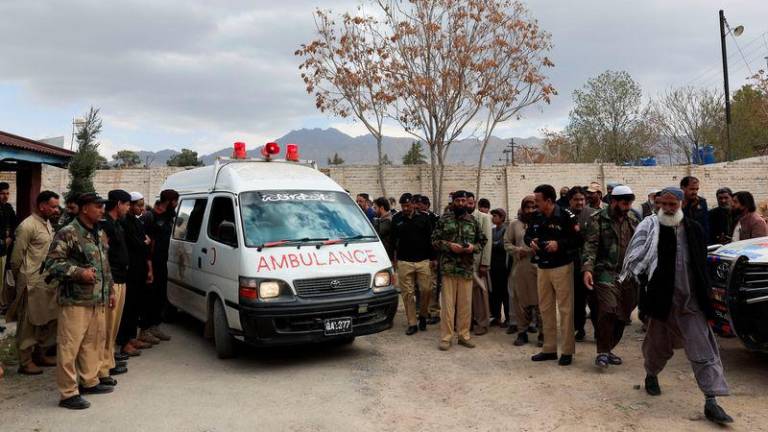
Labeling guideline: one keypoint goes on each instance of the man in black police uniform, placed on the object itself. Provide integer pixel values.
(553, 234)
(159, 225)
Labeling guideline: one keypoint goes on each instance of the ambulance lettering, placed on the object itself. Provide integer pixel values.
(315, 259)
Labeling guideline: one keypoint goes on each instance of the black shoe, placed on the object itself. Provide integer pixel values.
(602, 361)
(652, 385)
(121, 364)
(565, 360)
(433, 320)
(715, 413)
(580, 335)
(108, 381)
(544, 357)
(74, 403)
(614, 359)
(97, 389)
(411, 330)
(522, 339)
(423, 324)
(118, 370)
(121, 357)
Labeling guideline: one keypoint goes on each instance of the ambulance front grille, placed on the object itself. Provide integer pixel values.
(330, 286)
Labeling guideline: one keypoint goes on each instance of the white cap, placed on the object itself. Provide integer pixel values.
(135, 196)
(621, 191)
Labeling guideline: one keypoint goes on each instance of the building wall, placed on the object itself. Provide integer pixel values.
(503, 186)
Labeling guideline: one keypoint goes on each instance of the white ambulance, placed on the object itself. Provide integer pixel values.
(274, 252)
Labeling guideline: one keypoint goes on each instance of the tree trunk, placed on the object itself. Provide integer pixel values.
(433, 168)
(480, 166)
(381, 167)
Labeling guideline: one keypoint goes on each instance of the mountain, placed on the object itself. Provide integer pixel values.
(320, 144)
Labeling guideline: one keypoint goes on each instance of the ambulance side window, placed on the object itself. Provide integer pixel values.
(189, 219)
(221, 221)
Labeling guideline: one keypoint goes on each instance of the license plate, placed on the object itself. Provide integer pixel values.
(337, 326)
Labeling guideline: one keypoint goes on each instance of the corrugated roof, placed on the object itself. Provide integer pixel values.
(19, 142)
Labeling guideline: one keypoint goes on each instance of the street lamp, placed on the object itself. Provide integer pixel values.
(736, 32)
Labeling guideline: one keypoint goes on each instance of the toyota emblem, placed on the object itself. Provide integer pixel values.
(335, 283)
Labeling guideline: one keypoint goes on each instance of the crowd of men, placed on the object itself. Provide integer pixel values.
(582, 255)
(86, 288)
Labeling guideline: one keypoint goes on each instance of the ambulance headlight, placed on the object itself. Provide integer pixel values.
(269, 289)
(382, 281)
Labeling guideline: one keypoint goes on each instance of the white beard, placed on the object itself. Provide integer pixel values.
(671, 220)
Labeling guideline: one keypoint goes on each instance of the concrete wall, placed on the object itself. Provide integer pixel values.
(503, 186)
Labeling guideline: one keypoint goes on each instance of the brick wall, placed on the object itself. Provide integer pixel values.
(504, 186)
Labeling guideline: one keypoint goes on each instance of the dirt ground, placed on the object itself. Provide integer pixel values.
(389, 382)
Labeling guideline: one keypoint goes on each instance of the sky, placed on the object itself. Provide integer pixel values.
(201, 75)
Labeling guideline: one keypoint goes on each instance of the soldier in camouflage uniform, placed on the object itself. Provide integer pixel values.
(605, 243)
(78, 261)
(457, 236)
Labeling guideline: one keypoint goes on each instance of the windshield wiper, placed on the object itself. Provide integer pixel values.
(285, 242)
(346, 240)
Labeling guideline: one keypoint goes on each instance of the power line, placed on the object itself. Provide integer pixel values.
(714, 69)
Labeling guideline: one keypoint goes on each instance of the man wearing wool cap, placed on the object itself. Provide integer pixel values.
(670, 251)
(605, 245)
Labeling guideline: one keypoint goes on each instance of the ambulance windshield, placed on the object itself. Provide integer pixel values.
(272, 216)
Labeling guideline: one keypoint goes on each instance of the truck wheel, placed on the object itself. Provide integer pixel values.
(225, 343)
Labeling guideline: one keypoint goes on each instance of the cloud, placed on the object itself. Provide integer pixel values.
(209, 72)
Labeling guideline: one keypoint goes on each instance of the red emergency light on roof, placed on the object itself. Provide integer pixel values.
(270, 149)
(292, 152)
(239, 152)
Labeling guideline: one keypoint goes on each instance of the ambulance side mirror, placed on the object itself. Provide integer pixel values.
(228, 233)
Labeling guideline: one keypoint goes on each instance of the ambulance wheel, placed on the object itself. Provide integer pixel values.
(225, 343)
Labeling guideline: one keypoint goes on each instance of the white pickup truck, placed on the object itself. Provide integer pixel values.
(739, 273)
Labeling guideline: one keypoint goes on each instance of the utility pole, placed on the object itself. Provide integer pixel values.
(510, 150)
(725, 85)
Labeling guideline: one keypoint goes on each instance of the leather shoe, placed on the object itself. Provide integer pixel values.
(652, 385)
(602, 361)
(522, 339)
(411, 330)
(97, 389)
(74, 403)
(121, 364)
(138, 344)
(30, 369)
(130, 350)
(466, 343)
(715, 413)
(544, 357)
(422, 324)
(614, 359)
(108, 381)
(117, 370)
(121, 357)
(565, 360)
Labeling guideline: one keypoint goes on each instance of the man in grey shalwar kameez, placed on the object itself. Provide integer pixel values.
(670, 251)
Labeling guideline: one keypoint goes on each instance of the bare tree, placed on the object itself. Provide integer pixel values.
(447, 56)
(686, 117)
(344, 69)
(516, 58)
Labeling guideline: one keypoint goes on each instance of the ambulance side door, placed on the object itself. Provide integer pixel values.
(186, 288)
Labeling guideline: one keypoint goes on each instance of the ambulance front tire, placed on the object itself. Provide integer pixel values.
(225, 343)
